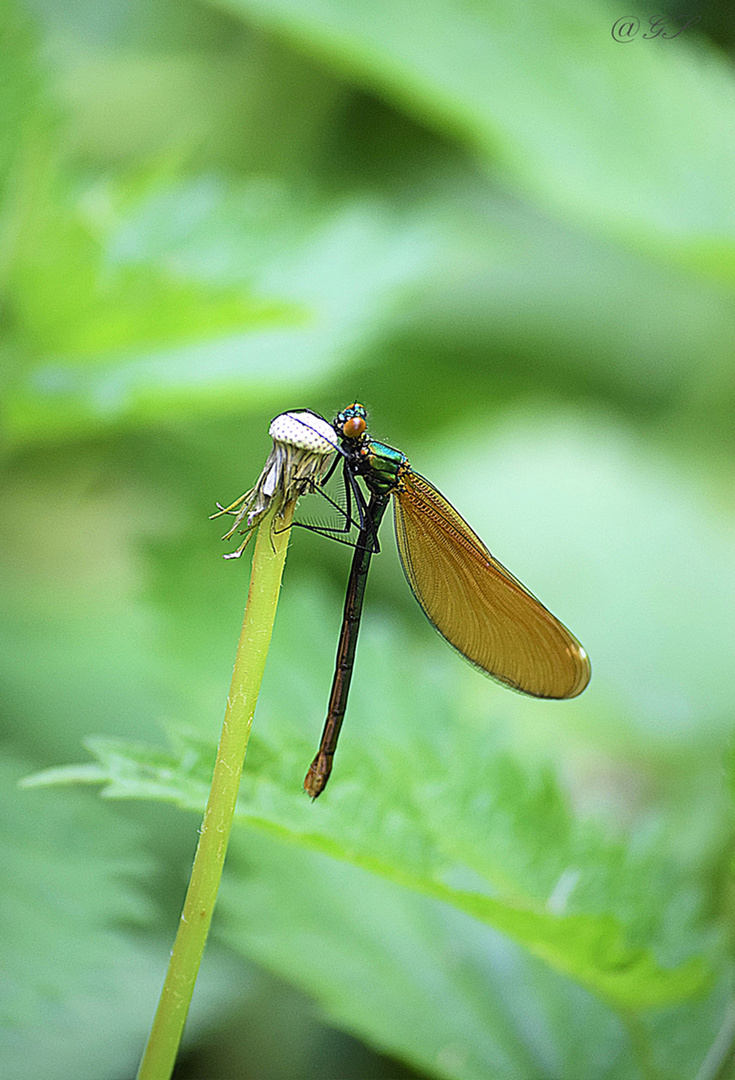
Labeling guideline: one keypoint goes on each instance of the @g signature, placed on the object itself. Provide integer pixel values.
(628, 28)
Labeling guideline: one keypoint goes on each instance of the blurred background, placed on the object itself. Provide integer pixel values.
(509, 230)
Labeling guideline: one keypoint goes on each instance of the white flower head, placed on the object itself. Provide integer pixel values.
(302, 445)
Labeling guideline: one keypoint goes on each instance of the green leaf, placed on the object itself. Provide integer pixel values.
(69, 972)
(411, 976)
(83, 952)
(601, 132)
(436, 988)
(20, 86)
(506, 854)
(193, 296)
(417, 906)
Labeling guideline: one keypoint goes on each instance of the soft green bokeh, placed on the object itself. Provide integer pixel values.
(513, 239)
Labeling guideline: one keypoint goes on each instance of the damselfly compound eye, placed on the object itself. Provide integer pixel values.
(354, 427)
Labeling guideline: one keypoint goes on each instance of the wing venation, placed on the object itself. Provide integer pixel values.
(477, 605)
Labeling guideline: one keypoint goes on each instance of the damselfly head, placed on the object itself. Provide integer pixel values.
(351, 423)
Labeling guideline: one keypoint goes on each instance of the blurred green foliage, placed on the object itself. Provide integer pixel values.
(514, 239)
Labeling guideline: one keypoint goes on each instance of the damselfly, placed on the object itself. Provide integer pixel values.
(478, 606)
(484, 612)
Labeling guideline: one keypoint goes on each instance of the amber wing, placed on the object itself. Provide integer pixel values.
(476, 604)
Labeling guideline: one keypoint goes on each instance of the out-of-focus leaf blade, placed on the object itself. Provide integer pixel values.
(81, 967)
(199, 297)
(601, 131)
(68, 972)
(20, 86)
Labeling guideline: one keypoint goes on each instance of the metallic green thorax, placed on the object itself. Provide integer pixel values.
(380, 466)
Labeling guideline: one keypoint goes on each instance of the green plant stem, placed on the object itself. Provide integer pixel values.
(265, 583)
